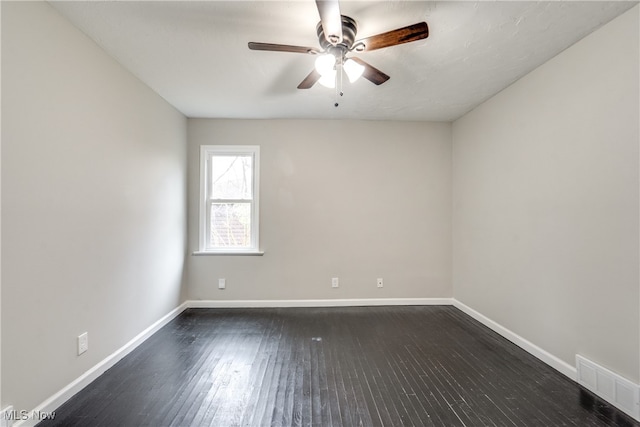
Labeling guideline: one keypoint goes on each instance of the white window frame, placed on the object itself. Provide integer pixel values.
(206, 153)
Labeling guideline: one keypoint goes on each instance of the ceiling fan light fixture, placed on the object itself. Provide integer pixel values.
(353, 70)
(326, 64)
(337, 38)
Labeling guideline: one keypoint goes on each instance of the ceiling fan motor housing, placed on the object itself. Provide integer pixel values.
(349, 30)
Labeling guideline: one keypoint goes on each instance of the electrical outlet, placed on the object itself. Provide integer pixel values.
(222, 283)
(335, 282)
(380, 282)
(83, 343)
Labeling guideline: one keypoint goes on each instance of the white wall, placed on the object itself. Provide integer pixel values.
(353, 199)
(93, 199)
(546, 193)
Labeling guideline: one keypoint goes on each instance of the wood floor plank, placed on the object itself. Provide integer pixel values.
(279, 403)
(288, 385)
(332, 367)
(354, 411)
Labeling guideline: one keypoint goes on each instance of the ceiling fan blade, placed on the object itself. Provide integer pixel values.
(282, 48)
(331, 20)
(408, 34)
(310, 80)
(371, 73)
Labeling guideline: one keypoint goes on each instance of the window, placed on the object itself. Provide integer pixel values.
(229, 198)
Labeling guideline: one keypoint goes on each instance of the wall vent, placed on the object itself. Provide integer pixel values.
(613, 388)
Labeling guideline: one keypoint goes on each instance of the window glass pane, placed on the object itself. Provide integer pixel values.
(230, 225)
(231, 177)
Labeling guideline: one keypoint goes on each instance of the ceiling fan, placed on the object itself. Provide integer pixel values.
(337, 38)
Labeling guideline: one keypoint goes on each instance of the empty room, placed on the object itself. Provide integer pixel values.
(294, 213)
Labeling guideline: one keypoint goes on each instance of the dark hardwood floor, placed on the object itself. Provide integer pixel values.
(356, 366)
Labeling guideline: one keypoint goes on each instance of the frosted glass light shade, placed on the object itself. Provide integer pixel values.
(328, 79)
(353, 70)
(325, 64)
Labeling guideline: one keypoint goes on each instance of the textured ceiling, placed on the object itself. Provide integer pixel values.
(194, 53)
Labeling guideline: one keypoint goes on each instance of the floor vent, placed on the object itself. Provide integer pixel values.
(613, 388)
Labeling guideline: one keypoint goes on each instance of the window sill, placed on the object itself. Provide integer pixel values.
(238, 253)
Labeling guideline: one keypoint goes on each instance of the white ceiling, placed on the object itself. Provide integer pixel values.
(194, 53)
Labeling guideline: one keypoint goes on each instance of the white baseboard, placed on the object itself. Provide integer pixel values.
(51, 404)
(317, 302)
(548, 358)
(610, 386)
